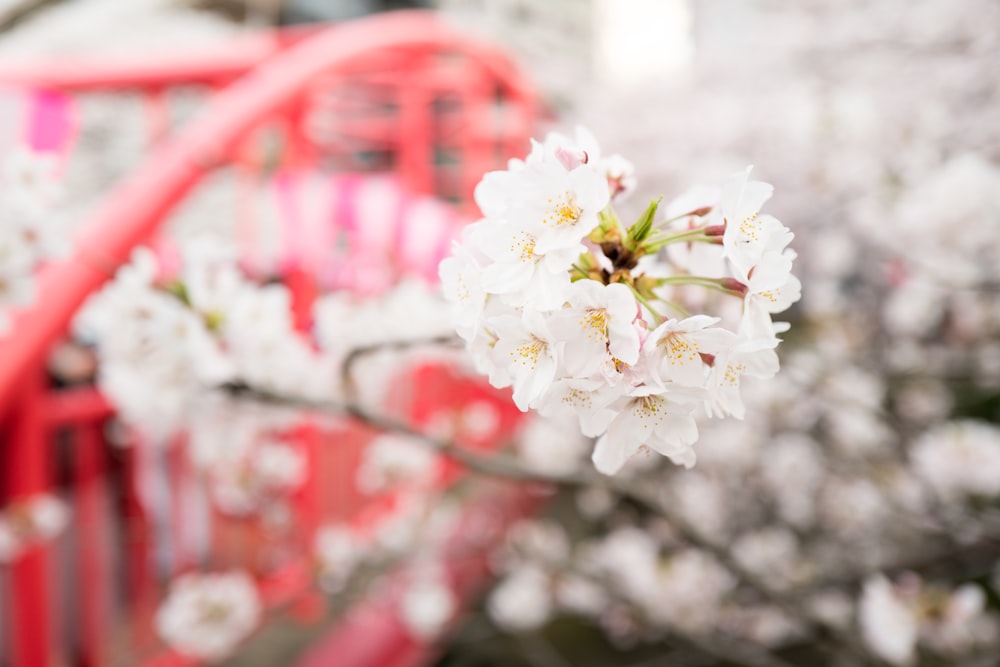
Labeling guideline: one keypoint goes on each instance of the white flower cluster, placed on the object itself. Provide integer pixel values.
(417, 532)
(156, 352)
(959, 459)
(29, 521)
(205, 616)
(428, 603)
(164, 340)
(895, 618)
(543, 574)
(558, 300)
(391, 461)
(28, 191)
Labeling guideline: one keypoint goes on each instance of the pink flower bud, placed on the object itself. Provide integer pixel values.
(733, 286)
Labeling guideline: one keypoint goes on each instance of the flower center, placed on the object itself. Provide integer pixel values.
(564, 210)
(733, 373)
(527, 354)
(595, 324)
(678, 349)
(649, 409)
(462, 291)
(750, 227)
(578, 399)
(524, 247)
(770, 295)
(213, 612)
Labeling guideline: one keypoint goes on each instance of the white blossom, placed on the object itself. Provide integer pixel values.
(522, 600)
(558, 299)
(888, 625)
(390, 461)
(338, 551)
(206, 616)
(959, 459)
(28, 521)
(427, 605)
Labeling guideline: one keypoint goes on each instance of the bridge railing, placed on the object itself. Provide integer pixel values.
(400, 94)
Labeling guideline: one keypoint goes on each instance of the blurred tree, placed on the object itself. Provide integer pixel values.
(307, 11)
(13, 12)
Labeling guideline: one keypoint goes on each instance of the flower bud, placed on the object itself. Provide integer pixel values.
(734, 286)
(638, 232)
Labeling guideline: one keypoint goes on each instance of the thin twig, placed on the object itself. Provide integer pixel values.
(506, 467)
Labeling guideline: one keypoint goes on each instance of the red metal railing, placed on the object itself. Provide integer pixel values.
(403, 87)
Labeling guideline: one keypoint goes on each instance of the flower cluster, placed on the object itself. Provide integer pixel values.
(206, 615)
(165, 339)
(557, 299)
(29, 521)
(895, 619)
(28, 191)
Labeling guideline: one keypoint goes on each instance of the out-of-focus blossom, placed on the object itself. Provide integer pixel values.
(427, 604)
(29, 232)
(551, 446)
(522, 600)
(960, 459)
(206, 616)
(391, 461)
(29, 521)
(898, 618)
(888, 624)
(338, 551)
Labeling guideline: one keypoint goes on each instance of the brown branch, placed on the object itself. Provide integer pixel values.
(23, 11)
(506, 467)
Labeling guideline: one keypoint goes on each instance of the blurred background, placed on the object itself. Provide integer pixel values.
(184, 490)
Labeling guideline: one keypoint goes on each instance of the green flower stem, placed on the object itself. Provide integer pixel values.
(682, 216)
(697, 235)
(717, 284)
(657, 317)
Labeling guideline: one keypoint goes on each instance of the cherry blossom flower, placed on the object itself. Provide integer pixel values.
(744, 356)
(522, 600)
(597, 322)
(530, 351)
(647, 421)
(391, 461)
(30, 234)
(557, 206)
(338, 551)
(747, 231)
(520, 273)
(461, 283)
(679, 348)
(559, 299)
(28, 521)
(428, 604)
(959, 459)
(206, 616)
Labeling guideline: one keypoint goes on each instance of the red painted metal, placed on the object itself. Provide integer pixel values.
(27, 471)
(92, 528)
(372, 634)
(257, 82)
(132, 214)
(75, 406)
(207, 66)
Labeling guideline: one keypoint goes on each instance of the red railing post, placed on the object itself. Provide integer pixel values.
(92, 528)
(28, 472)
(415, 139)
